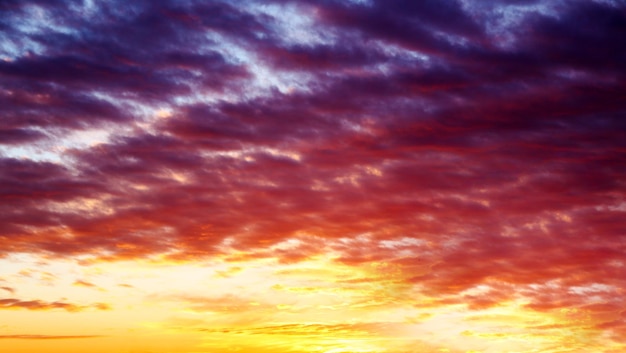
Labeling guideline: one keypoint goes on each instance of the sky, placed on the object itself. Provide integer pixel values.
(331, 176)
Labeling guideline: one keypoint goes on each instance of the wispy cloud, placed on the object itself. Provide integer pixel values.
(39, 305)
(8, 289)
(45, 337)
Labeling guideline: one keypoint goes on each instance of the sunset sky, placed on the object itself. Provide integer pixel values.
(315, 176)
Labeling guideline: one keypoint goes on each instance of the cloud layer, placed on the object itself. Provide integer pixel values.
(468, 144)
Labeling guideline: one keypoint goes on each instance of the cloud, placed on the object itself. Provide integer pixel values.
(38, 305)
(308, 330)
(19, 135)
(230, 304)
(86, 284)
(490, 134)
(81, 283)
(45, 337)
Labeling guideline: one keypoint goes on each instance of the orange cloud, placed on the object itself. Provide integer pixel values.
(38, 305)
(45, 337)
(81, 283)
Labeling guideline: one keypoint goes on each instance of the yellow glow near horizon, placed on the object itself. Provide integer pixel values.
(314, 306)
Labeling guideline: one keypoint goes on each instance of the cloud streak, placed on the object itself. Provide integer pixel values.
(44, 337)
(39, 305)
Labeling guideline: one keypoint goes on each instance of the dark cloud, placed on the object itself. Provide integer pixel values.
(19, 135)
(26, 179)
(89, 56)
(584, 36)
